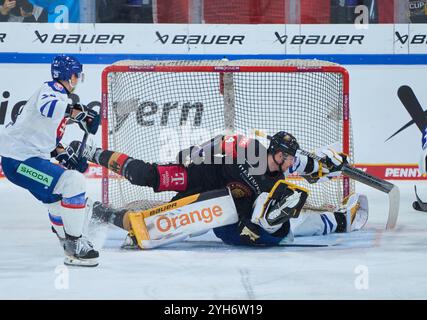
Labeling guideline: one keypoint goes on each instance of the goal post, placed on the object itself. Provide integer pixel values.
(153, 109)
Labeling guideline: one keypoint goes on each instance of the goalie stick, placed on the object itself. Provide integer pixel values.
(413, 106)
(365, 178)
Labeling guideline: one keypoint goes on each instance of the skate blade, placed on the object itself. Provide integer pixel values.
(75, 262)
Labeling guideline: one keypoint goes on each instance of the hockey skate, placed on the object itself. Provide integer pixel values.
(78, 251)
(104, 214)
(352, 215)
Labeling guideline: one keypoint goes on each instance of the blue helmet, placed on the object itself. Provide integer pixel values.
(63, 67)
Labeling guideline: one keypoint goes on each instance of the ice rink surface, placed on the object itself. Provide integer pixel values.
(370, 264)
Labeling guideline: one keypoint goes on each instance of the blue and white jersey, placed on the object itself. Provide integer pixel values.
(40, 125)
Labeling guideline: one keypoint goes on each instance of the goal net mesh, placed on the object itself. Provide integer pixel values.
(154, 109)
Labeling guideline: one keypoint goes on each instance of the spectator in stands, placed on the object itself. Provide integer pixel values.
(5, 9)
(418, 11)
(124, 11)
(56, 12)
(343, 11)
(20, 11)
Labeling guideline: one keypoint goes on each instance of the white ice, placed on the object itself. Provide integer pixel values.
(371, 264)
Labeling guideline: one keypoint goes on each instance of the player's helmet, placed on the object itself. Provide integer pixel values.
(63, 67)
(285, 142)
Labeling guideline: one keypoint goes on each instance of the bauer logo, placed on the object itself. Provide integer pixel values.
(318, 39)
(413, 39)
(173, 221)
(204, 39)
(61, 38)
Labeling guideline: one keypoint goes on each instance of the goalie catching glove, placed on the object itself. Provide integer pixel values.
(284, 202)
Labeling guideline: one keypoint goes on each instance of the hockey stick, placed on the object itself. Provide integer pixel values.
(413, 106)
(82, 146)
(419, 204)
(365, 178)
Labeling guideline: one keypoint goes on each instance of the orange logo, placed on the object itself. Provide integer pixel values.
(166, 223)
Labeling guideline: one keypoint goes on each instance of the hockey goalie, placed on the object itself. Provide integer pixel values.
(241, 206)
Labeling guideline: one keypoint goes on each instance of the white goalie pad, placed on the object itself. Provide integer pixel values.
(183, 218)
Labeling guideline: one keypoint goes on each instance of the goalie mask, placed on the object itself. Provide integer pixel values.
(284, 201)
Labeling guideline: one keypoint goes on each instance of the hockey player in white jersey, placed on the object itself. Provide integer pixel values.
(28, 144)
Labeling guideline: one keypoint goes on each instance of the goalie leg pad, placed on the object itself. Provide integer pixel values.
(313, 224)
(356, 211)
(183, 218)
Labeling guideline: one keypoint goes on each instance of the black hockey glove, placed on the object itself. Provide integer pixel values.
(69, 158)
(87, 119)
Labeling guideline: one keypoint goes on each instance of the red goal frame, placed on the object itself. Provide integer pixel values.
(288, 69)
